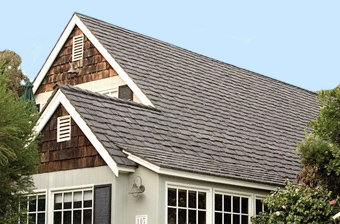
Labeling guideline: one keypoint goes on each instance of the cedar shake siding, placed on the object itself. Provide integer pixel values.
(93, 66)
(73, 154)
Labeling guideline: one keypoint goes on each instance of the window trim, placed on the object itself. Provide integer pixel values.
(207, 190)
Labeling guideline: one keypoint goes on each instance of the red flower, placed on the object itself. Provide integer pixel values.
(332, 202)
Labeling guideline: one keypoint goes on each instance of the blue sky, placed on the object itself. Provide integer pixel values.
(297, 42)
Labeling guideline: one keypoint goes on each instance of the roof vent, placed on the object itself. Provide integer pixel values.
(78, 47)
(64, 128)
(124, 92)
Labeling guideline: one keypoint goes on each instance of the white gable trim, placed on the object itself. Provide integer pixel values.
(76, 21)
(196, 176)
(60, 98)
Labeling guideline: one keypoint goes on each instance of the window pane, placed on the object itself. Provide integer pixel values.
(41, 202)
(218, 202)
(182, 216)
(192, 199)
(218, 218)
(227, 203)
(201, 217)
(77, 217)
(77, 199)
(244, 219)
(57, 201)
(244, 204)
(192, 216)
(31, 218)
(87, 216)
(67, 200)
(182, 198)
(41, 218)
(171, 216)
(32, 204)
(87, 199)
(67, 217)
(236, 219)
(172, 197)
(201, 200)
(227, 218)
(57, 218)
(258, 206)
(236, 204)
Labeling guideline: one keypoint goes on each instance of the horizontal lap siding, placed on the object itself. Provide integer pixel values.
(93, 66)
(73, 154)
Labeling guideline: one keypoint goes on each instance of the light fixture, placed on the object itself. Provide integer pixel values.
(137, 189)
(72, 69)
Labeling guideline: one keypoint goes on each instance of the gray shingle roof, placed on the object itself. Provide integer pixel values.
(211, 117)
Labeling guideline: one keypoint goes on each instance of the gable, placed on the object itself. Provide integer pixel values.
(76, 153)
(93, 66)
(96, 65)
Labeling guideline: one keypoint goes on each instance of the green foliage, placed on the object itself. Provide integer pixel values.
(10, 66)
(299, 204)
(320, 150)
(18, 153)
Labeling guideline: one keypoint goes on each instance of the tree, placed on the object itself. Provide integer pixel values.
(316, 198)
(10, 66)
(18, 150)
(320, 150)
(299, 204)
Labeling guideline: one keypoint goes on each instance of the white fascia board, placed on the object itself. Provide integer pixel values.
(196, 176)
(76, 21)
(60, 98)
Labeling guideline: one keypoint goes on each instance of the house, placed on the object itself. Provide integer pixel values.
(136, 130)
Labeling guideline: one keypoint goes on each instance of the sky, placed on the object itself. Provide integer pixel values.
(297, 42)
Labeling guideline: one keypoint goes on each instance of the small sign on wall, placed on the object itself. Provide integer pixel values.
(141, 219)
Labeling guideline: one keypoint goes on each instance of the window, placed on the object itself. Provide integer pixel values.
(231, 209)
(78, 47)
(259, 206)
(113, 92)
(73, 207)
(36, 208)
(64, 128)
(186, 206)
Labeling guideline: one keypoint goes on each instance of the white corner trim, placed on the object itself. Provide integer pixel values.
(52, 106)
(196, 176)
(125, 169)
(76, 21)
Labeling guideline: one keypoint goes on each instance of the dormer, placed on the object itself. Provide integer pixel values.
(79, 59)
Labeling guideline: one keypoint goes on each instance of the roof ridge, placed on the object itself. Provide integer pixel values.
(116, 99)
(198, 54)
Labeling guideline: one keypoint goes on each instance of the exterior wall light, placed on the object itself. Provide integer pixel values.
(137, 189)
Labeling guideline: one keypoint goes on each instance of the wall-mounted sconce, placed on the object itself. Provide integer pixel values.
(72, 69)
(137, 189)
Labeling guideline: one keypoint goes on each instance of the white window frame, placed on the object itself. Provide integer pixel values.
(37, 193)
(63, 190)
(250, 197)
(189, 187)
(78, 50)
(62, 131)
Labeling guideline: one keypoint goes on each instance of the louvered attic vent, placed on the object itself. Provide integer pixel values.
(78, 47)
(64, 128)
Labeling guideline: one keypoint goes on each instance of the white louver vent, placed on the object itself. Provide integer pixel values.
(64, 128)
(78, 48)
